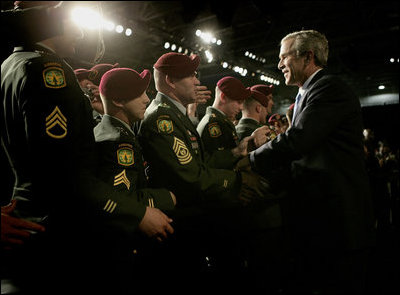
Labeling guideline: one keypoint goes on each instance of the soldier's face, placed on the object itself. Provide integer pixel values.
(233, 108)
(136, 107)
(185, 89)
(65, 45)
(270, 104)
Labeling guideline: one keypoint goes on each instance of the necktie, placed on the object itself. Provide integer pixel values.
(296, 104)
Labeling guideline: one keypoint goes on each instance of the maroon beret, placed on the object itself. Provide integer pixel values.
(81, 74)
(233, 88)
(260, 97)
(177, 65)
(274, 118)
(124, 83)
(97, 71)
(266, 89)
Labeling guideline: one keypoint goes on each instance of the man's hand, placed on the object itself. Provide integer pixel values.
(254, 188)
(261, 135)
(14, 231)
(241, 149)
(202, 94)
(155, 224)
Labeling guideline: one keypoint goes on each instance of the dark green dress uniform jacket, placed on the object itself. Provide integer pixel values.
(121, 163)
(177, 157)
(47, 132)
(217, 132)
(246, 126)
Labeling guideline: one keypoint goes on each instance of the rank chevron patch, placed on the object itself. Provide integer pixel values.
(56, 118)
(181, 151)
(122, 179)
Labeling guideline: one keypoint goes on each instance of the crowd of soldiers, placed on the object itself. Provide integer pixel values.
(126, 195)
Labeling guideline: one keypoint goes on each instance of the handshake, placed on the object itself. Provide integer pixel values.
(254, 187)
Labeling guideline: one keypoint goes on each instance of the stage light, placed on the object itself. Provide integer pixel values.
(219, 42)
(381, 87)
(209, 56)
(198, 33)
(224, 64)
(128, 32)
(167, 45)
(86, 18)
(119, 29)
(109, 26)
(180, 49)
(173, 47)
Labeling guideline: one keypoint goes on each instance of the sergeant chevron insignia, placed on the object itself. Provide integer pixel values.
(181, 151)
(56, 124)
(110, 206)
(122, 179)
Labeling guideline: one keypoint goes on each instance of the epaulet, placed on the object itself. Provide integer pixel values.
(164, 105)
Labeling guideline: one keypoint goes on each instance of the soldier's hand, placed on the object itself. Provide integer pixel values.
(254, 188)
(260, 136)
(243, 165)
(202, 94)
(155, 224)
(241, 149)
(14, 231)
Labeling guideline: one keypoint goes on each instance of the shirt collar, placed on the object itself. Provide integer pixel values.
(122, 122)
(176, 103)
(303, 88)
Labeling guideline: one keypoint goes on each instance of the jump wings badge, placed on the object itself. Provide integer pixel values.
(54, 77)
(125, 155)
(181, 151)
(56, 124)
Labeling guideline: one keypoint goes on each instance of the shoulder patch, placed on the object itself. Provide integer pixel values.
(54, 77)
(181, 151)
(164, 125)
(125, 155)
(214, 130)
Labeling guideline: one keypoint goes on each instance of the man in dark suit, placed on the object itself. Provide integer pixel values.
(329, 212)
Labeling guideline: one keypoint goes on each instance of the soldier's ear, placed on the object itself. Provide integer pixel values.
(258, 108)
(118, 102)
(223, 97)
(170, 81)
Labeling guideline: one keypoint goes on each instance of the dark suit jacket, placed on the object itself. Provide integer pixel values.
(330, 205)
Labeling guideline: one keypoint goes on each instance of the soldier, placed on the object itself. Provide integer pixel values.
(123, 93)
(90, 81)
(178, 161)
(255, 110)
(47, 134)
(216, 128)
